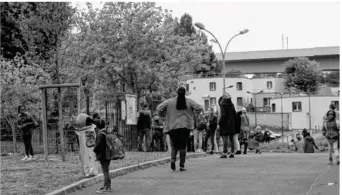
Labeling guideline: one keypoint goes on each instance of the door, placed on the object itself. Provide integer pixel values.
(206, 105)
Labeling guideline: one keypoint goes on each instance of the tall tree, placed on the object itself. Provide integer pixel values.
(302, 75)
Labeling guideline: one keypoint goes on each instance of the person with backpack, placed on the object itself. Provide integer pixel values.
(144, 127)
(179, 113)
(27, 124)
(198, 132)
(212, 126)
(331, 130)
(309, 144)
(109, 146)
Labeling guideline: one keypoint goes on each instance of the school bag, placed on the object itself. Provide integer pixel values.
(114, 146)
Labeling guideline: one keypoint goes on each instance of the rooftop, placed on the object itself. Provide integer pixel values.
(283, 53)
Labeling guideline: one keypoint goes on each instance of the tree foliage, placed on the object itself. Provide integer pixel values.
(302, 75)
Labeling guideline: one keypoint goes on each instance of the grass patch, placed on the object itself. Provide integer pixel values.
(40, 177)
(321, 143)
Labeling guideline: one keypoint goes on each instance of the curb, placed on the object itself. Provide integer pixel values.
(117, 172)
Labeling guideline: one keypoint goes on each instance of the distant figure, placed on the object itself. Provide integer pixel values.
(26, 123)
(304, 132)
(309, 144)
(199, 131)
(157, 138)
(179, 112)
(293, 146)
(144, 127)
(227, 123)
(267, 136)
(245, 130)
(212, 126)
(331, 130)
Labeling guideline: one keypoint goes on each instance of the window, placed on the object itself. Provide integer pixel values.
(273, 107)
(296, 106)
(337, 104)
(212, 101)
(269, 85)
(239, 101)
(187, 87)
(206, 105)
(212, 86)
(239, 86)
(267, 101)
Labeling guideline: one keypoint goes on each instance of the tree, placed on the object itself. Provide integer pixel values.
(332, 78)
(235, 73)
(302, 74)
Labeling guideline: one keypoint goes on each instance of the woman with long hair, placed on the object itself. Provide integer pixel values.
(227, 123)
(26, 123)
(179, 116)
(331, 130)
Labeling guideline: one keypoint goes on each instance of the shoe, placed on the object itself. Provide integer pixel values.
(25, 158)
(173, 166)
(211, 152)
(223, 156)
(182, 169)
(231, 155)
(238, 152)
(330, 161)
(104, 190)
(338, 162)
(30, 158)
(245, 152)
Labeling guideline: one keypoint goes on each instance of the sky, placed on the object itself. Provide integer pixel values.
(306, 24)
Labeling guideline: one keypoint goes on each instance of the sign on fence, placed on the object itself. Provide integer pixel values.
(131, 101)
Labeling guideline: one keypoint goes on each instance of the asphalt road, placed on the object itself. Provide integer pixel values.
(265, 174)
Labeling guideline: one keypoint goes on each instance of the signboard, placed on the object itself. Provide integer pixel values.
(123, 109)
(131, 101)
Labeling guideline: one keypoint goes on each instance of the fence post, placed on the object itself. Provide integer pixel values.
(45, 140)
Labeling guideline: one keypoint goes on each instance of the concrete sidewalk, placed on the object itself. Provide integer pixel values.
(265, 174)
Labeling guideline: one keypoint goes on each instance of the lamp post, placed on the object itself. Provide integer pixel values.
(223, 53)
(255, 110)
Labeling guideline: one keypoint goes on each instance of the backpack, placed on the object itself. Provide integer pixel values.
(114, 147)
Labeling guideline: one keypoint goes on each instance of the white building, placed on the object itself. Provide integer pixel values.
(300, 108)
(207, 91)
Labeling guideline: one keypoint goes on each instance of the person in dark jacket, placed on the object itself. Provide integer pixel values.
(144, 127)
(309, 144)
(26, 124)
(100, 151)
(237, 132)
(157, 139)
(212, 124)
(227, 124)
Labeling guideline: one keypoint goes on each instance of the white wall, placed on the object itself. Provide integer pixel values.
(319, 106)
(199, 88)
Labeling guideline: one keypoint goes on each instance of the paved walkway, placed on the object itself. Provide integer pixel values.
(265, 174)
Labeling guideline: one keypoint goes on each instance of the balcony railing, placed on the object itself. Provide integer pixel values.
(232, 75)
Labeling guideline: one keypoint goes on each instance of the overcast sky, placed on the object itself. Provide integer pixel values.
(306, 24)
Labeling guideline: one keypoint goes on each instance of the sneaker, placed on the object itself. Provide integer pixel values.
(25, 158)
(231, 155)
(30, 158)
(223, 156)
(182, 169)
(245, 152)
(211, 152)
(238, 152)
(103, 190)
(173, 166)
(338, 162)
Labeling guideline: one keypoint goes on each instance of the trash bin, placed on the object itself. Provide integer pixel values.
(87, 139)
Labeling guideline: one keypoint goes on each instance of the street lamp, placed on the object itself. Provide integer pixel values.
(202, 27)
(255, 110)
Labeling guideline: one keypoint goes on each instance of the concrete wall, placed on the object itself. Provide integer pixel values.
(270, 119)
(300, 119)
(277, 65)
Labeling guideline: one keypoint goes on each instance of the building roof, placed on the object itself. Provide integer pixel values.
(283, 53)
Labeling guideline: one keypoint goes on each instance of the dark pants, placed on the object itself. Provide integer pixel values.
(179, 140)
(141, 134)
(105, 170)
(210, 134)
(28, 144)
(157, 141)
(225, 143)
(191, 144)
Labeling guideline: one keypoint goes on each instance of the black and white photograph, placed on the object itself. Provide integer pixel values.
(170, 97)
